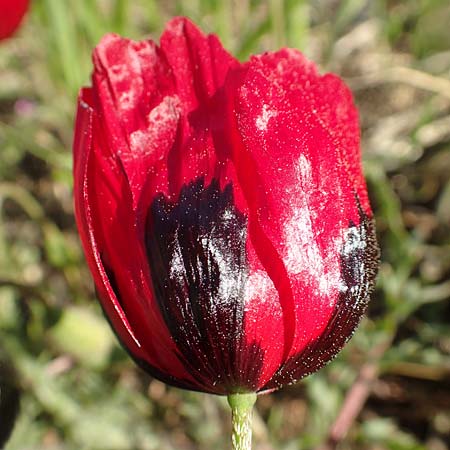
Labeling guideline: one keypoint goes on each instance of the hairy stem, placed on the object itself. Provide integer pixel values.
(241, 419)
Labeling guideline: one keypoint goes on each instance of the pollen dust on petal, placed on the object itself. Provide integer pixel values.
(354, 243)
(319, 268)
(259, 288)
(161, 127)
(126, 72)
(263, 119)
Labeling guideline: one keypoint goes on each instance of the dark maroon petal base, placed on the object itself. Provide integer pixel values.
(197, 257)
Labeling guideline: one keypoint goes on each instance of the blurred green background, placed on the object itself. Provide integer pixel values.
(62, 372)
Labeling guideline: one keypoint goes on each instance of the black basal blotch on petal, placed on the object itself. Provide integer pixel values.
(198, 264)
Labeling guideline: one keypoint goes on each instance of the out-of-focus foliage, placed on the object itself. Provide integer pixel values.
(77, 388)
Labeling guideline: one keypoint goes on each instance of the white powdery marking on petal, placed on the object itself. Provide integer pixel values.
(263, 119)
(259, 288)
(167, 111)
(162, 118)
(176, 28)
(118, 72)
(304, 172)
(145, 51)
(318, 268)
(133, 61)
(227, 280)
(176, 268)
(128, 99)
(123, 76)
(128, 73)
(355, 241)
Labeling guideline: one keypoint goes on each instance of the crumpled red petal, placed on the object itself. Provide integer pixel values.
(298, 165)
(101, 188)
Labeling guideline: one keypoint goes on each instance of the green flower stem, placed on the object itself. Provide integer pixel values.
(241, 419)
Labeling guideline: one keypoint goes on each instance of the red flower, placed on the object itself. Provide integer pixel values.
(222, 210)
(11, 14)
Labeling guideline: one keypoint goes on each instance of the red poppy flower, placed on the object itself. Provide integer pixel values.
(222, 210)
(11, 14)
